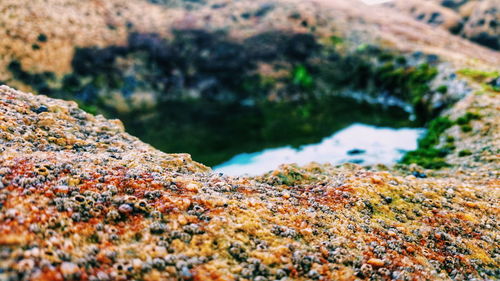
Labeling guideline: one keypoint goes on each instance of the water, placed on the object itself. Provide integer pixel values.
(358, 143)
(213, 132)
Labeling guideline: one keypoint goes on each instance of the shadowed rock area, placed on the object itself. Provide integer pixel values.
(478, 20)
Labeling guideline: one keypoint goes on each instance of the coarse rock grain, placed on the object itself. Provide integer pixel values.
(83, 200)
(477, 20)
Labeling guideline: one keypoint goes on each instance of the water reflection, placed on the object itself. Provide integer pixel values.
(358, 143)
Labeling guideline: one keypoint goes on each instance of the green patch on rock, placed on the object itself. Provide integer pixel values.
(410, 81)
(478, 75)
(467, 117)
(427, 155)
(466, 128)
(302, 77)
(464, 121)
(290, 177)
(442, 89)
(435, 129)
(336, 40)
(464, 152)
(92, 109)
(430, 154)
(428, 158)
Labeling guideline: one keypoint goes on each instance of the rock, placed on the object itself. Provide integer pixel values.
(98, 203)
(125, 208)
(431, 13)
(483, 25)
(68, 269)
(375, 262)
(83, 203)
(476, 20)
(41, 109)
(356, 151)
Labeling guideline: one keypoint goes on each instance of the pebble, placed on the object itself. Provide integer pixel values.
(68, 268)
(376, 262)
(125, 208)
(41, 109)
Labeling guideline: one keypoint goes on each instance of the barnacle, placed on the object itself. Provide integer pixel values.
(76, 213)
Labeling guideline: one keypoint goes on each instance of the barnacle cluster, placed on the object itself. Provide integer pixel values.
(82, 200)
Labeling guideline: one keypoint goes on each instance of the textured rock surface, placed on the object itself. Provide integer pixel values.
(483, 24)
(477, 20)
(51, 30)
(430, 12)
(81, 199)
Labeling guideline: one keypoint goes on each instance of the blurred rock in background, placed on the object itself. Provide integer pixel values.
(477, 20)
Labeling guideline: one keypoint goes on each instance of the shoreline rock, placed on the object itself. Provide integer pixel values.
(80, 199)
(83, 200)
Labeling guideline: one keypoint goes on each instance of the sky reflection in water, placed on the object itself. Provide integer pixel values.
(367, 145)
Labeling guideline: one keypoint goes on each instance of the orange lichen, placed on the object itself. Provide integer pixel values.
(105, 205)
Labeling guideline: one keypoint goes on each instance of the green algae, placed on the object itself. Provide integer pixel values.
(464, 152)
(467, 118)
(302, 77)
(434, 131)
(484, 78)
(336, 40)
(443, 89)
(429, 154)
(464, 121)
(92, 109)
(478, 75)
(290, 177)
(466, 128)
(409, 82)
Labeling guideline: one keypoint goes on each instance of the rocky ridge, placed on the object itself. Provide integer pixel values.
(475, 20)
(82, 200)
(41, 45)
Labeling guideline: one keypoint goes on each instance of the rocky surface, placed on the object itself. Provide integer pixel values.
(80, 199)
(483, 24)
(51, 30)
(431, 12)
(477, 20)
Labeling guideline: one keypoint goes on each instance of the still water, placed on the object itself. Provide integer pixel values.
(358, 143)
